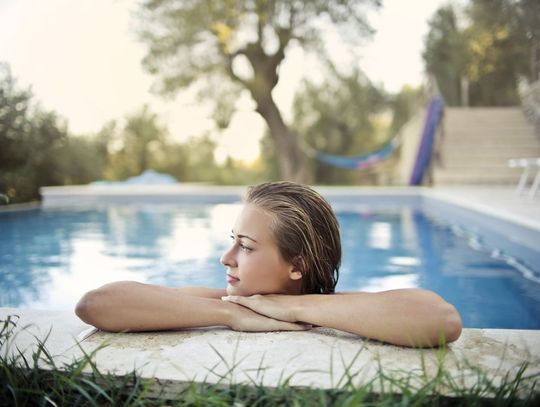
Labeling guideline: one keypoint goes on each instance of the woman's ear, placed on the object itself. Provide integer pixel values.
(295, 274)
(298, 268)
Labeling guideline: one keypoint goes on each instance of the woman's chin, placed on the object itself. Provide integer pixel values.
(235, 290)
(232, 290)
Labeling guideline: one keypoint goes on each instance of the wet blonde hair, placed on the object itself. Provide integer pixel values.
(305, 229)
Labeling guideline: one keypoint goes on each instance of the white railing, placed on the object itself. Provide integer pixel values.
(528, 165)
(530, 100)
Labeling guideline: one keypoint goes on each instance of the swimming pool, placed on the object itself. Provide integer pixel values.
(50, 256)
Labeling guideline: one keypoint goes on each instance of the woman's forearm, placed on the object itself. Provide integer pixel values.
(409, 317)
(132, 306)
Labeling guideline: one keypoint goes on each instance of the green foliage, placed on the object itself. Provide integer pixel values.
(498, 52)
(82, 160)
(445, 55)
(143, 144)
(199, 162)
(269, 158)
(31, 138)
(136, 147)
(404, 105)
(490, 50)
(192, 40)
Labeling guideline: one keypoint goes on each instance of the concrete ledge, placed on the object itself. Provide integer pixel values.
(105, 194)
(322, 358)
(187, 193)
(499, 203)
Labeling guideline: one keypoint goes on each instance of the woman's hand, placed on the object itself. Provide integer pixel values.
(277, 307)
(244, 319)
(410, 317)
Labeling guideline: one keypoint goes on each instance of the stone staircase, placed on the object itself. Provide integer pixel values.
(477, 144)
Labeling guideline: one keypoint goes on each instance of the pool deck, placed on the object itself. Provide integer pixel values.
(321, 357)
(500, 202)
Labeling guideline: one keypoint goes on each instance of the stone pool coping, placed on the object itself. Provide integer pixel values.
(321, 358)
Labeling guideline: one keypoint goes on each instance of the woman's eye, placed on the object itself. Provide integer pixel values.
(245, 248)
(240, 244)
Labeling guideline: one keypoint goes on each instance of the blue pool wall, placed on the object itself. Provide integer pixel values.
(522, 241)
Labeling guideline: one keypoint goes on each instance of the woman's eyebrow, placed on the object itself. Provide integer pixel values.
(242, 236)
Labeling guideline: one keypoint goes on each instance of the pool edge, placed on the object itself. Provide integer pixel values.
(183, 356)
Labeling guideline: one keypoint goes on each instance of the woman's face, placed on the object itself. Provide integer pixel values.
(254, 263)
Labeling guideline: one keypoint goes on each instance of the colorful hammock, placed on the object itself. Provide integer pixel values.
(364, 161)
(360, 162)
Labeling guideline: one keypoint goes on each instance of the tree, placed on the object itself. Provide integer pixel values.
(445, 54)
(142, 134)
(240, 45)
(82, 159)
(529, 19)
(31, 141)
(498, 52)
(140, 140)
(489, 53)
(15, 125)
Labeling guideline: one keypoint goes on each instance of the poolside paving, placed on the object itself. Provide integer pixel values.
(499, 201)
(322, 357)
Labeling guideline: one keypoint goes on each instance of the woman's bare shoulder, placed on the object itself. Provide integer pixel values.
(202, 292)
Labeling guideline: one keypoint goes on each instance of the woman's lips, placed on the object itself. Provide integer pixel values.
(232, 279)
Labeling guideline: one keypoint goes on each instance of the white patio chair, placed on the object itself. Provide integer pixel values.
(528, 165)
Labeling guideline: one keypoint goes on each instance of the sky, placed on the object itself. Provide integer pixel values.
(82, 59)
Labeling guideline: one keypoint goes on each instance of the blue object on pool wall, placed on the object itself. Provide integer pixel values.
(433, 118)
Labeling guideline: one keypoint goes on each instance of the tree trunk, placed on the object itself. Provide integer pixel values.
(292, 161)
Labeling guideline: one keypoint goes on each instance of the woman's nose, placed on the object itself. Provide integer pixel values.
(228, 258)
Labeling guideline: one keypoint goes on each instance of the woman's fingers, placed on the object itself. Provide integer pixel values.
(291, 326)
(247, 319)
(270, 305)
(249, 302)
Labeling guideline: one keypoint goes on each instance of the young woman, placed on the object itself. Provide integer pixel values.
(281, 272)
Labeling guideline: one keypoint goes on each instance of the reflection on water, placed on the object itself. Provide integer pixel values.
(49, 258)
(406, 248)
(380, 235)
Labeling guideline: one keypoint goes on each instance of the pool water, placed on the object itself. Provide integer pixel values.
(50, 257)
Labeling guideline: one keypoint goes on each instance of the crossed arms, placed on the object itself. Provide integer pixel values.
(409, 317)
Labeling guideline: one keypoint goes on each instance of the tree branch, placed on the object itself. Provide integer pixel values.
(230, 71)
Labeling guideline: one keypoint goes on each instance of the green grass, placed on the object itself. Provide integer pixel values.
(36, 380)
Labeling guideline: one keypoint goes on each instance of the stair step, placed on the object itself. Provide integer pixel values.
(486, 132)
(453, 147)
(451, 179)
(478, 142)
(491, 156)
(491, 151)
(481, 168)
(463, 174)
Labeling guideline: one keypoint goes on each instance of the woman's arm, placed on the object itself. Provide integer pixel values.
(410, 317)
(132, 306)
